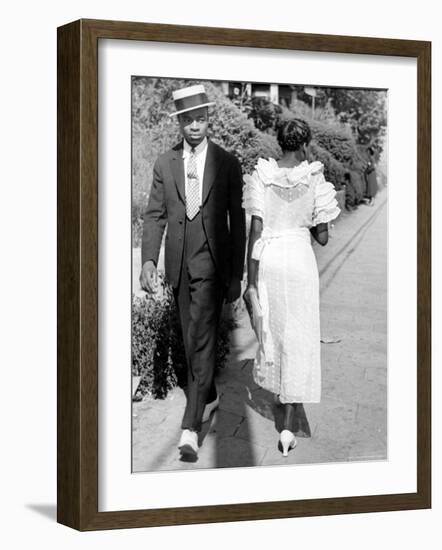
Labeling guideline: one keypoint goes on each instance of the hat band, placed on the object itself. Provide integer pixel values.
(190, 102)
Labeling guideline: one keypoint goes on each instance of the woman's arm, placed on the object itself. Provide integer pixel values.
(320, 233)
(256, 226)
(252, 274)
(251, 293)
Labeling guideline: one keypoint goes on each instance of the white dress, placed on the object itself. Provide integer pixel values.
(289, 201)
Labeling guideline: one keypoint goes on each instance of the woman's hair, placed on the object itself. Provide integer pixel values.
(293, 133)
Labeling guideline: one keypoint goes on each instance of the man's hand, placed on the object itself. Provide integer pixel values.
(234, 291)
(149, 277)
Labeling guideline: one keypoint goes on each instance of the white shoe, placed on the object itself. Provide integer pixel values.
(209, 408)
(288, 441)
(188, 444)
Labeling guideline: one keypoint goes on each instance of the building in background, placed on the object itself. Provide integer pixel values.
(280, 94)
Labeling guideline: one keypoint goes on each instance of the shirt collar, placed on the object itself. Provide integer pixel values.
(198, 149)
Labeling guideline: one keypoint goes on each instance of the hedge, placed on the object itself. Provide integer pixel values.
(157, 344)
(339, 142)
(333, 170)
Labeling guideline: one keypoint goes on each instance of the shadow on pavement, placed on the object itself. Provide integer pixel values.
(264, 402)
(241, 425)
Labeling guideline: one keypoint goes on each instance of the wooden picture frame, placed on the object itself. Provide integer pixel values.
(77, 224)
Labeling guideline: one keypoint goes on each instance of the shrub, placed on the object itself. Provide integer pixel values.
(364, 110)
(157, 344)
(338, 141)
(285, 114)
(264, 113)
(371, 128)
(333, 170)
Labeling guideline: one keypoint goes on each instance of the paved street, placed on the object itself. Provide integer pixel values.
(350, 423)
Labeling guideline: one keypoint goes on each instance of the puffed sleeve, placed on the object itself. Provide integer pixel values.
(253, 195)
(325, 206)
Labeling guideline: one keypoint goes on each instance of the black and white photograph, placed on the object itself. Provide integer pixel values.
(259, 274)
(221, 256)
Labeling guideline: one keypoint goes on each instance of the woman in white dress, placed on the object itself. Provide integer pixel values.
(289, 200)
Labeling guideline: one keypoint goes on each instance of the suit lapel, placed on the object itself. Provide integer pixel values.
(177, 166)
(211, 168)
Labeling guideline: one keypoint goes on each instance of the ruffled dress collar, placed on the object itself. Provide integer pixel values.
(270, 173)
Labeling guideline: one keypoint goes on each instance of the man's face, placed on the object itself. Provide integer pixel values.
(194, 125)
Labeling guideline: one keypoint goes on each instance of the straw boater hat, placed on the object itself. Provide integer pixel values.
(188, 99)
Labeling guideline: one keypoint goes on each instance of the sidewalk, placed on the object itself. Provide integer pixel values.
(349, 423)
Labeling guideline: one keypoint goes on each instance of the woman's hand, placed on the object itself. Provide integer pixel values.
(248, 291)
(320, 233)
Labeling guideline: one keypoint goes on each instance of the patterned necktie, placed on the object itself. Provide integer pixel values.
(193, 187)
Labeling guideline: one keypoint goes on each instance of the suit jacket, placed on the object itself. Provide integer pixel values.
(223, 217)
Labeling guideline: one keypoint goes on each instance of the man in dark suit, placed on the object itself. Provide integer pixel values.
(197, 193)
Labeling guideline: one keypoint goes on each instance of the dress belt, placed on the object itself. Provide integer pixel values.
(268, 234)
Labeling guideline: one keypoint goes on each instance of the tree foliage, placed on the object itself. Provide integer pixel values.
(364, 110)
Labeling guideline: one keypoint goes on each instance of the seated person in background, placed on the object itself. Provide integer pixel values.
(371, 177)
(351, 195)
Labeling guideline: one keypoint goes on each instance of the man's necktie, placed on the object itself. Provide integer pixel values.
(193, 187)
